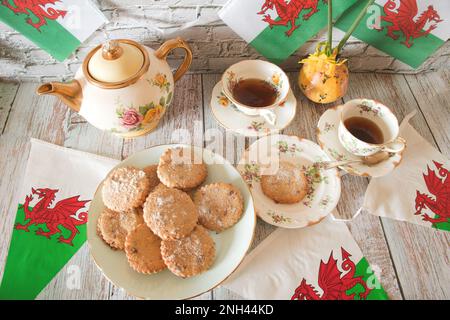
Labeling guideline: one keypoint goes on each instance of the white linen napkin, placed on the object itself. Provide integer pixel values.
(315, 263)
(418, 190)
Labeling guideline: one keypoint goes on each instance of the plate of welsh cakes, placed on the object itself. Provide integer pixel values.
(171, 222)
(289, 189)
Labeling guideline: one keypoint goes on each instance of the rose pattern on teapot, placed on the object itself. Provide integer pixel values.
(133, 120)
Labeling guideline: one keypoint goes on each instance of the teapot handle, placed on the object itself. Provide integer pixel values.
(168, 46)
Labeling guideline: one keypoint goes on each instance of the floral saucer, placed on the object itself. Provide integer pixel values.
(232, 119)
(324, 185)
(327, 136)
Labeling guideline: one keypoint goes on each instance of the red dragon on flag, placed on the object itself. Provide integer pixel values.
(331, 281)
(64, 214)
(439, 186)
(404, 20)
(288, 12)
(37, 8)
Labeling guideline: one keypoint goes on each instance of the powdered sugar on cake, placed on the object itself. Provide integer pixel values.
(125, 188)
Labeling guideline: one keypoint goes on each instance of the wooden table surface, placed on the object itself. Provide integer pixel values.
(413, 260)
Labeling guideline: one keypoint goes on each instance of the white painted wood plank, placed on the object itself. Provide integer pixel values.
(217, 138)
(12, 167)
(432, 93)
(8, 91)
(34, 116)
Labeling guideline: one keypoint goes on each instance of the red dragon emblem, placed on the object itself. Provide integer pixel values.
(439, 186)
(404, 20)
(64, 214)
(37, 8)
(288, 12)
(331, 281)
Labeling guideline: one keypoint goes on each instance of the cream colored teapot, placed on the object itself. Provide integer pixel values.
(123, 87)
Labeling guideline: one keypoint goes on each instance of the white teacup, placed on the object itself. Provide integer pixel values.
(257, 69)
(378, 114)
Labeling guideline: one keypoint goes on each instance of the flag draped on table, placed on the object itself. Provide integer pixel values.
(57, 26)
(51, 218)
(409, 30)
(321, 262)
(277, 28)
(424, 178)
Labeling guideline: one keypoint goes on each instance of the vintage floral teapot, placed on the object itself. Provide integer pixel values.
(123, 87)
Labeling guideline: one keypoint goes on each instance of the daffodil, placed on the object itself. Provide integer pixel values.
(323, 77)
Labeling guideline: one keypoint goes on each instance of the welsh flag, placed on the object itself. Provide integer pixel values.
(50, 225)
(57, 26)
(277, 28)
(409, 30)
(424, 175)
(320, 262)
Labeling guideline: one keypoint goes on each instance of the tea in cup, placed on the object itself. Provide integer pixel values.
(256, 88)
(368, 127)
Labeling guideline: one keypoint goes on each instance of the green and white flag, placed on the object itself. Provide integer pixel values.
(57, 26)
(321, 262)
(277, 28)
(51, 218)
(409, 30)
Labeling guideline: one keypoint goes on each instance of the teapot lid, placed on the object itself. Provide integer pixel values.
(116, 64)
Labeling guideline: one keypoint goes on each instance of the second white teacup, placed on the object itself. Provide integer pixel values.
(260, 70)
(368, 127)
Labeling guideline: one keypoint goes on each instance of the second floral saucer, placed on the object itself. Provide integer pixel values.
(324, 186)
(327, 136)
(251, 126)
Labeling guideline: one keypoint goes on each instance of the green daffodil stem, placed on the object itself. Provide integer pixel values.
(354, 26)
(330, 28)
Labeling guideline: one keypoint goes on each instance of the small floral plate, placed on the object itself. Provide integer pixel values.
(232, 119)
(327, 136)
(324, 185)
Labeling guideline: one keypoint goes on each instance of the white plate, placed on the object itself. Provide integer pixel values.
(325, 189)
(232, 119)
(231, 245)
(327, 135)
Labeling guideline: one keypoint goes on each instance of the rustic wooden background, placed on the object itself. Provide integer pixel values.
(414, 260)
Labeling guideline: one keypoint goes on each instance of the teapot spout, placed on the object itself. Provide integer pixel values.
(70, 93)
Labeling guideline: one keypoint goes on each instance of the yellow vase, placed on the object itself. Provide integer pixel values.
(322, 79)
